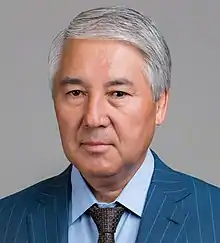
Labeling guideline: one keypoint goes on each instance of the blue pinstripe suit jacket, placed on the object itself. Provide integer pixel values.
(178, 208)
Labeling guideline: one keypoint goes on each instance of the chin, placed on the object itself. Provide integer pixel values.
(100, 170)
(103, 173)
(94, 165)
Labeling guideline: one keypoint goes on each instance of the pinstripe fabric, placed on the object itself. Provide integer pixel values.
(178, 208)
(38, 214)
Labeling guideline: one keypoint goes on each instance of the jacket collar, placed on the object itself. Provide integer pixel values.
(163, 216)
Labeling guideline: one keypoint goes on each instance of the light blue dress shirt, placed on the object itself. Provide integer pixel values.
(82, 227)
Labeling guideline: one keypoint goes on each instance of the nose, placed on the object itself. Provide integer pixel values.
(95, 114)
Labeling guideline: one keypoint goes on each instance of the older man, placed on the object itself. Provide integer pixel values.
(110, 78)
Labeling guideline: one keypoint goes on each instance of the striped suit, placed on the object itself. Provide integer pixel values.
(178, 208)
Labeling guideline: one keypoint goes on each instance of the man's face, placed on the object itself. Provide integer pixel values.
(104, 106)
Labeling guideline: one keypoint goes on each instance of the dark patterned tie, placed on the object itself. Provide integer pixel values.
(106, 220)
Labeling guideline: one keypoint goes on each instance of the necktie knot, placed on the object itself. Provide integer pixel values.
(106, 220)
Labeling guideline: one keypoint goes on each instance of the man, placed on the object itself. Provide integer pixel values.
(110, 78)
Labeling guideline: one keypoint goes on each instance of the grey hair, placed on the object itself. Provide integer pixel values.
(123, 24)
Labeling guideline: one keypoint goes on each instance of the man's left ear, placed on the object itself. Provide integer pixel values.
(161, 107)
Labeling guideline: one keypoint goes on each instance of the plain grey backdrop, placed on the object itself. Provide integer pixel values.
(30, 149)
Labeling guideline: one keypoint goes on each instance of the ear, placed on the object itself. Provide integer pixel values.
(161, 107)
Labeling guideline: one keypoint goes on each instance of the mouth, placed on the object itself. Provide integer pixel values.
(95, 146)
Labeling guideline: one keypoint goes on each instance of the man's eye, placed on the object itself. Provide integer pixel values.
(75, 93)
(118, 94)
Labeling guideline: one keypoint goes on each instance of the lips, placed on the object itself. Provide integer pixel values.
(95, 143)
(95, 146)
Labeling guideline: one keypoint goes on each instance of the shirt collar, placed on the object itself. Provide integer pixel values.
(82, 197)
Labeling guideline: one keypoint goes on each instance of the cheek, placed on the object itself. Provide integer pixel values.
(136, 122)
(67, 121)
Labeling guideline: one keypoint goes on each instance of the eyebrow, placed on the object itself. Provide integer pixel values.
(115, 82)
(68, 80)
(119, 82)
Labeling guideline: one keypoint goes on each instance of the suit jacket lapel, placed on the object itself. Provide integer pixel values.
(48, 215)
(164, 218)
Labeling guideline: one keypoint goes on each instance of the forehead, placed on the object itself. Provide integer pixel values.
(91, 57)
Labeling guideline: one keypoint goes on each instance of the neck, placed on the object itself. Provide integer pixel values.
(106, 196)
(107, 189)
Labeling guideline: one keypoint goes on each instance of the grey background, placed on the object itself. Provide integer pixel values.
(30, 148)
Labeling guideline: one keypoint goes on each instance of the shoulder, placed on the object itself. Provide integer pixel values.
(196, 186)
(204, 198)
(22, 200)
(200, 187)
(201, 198)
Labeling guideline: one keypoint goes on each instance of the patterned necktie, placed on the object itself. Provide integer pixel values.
(106, 220)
